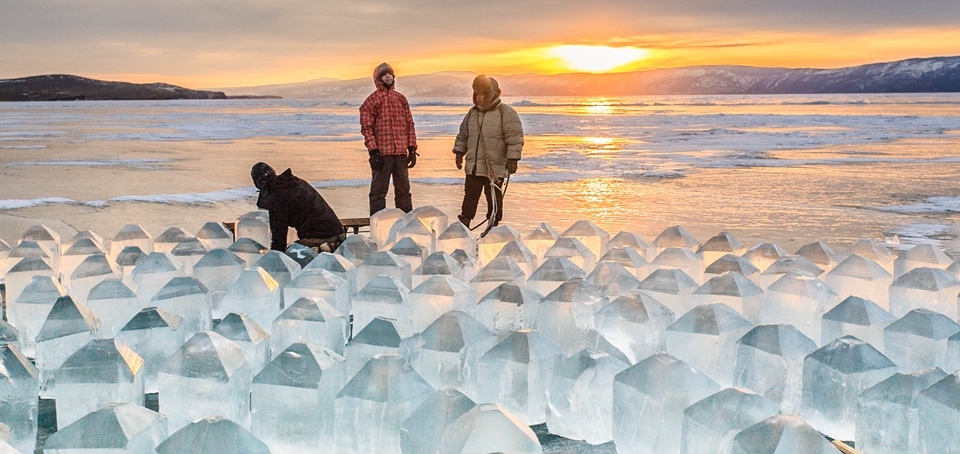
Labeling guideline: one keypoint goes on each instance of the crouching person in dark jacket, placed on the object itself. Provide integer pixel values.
(292, 202)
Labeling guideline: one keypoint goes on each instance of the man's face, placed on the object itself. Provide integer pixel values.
(481, 99)
(387, 79)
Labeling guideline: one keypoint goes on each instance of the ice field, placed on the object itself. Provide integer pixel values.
(418, 337)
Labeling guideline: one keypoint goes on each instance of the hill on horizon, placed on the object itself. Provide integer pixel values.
(916, 75)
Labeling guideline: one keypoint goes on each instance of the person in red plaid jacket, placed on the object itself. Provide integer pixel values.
(387, 127)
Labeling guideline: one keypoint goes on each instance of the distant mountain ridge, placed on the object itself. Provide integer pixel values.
(916, 75)
(61, 87)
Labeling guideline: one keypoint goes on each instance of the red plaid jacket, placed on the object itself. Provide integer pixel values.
(386, 122)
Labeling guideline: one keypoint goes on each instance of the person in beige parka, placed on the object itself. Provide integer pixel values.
(487, 148)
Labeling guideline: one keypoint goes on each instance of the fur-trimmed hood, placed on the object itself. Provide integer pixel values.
(382, 69)
(490, 88)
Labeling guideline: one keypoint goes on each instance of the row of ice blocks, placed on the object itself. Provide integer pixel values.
(303, 402)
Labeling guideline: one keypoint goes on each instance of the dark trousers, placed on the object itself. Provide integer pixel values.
(472, 186)
(393, 166)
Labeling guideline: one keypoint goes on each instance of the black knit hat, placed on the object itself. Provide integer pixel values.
(262, 173)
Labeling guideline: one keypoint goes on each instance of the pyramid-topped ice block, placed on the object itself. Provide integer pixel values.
(410, 251)
(672, 287)
(764, 254)
(292, 399)
(114, 304)
(710, 425)
(553, 272)
(468, 262)
(781, 433)
(540, 239)
(431, 427)
(22, 274)
(508, 308)
(416, 231)
(457, 236)
(833, 378)
(319, 284)
(337, 265)
(575, 251)
(680, 258)
(566, 315)
(498, 271)
(522, 255)
(580, 397)
(383, 394)
(633, 241)
(153, 334)
(675, 236)
(920, 256)
(312, 320)
(490, 245)
(706, 338)
(382, 336)
(217, 270)
(435, 297)
(925, 288)
(46, 238)
(127, 261)
(91, 271)
(282, 268)
(918, 340)
(19, 386)
(9, 334)
(30, 309)
(720, 245)
(887, 419)
(82, 235)
(820, 254)
(857, 317)
(208, 376)
(437, 264)
(252, 338)
(612, 279)
(734, 290)
(799, 299)
(516, 372)
(248, 250)
(648, 402)
(188, 298)
(68, 327)
(102, 372)
(786, 264)
(733, 263)
(255, 293)
(356, 249)
(446, 353)
(169, 239)
(301, 254)
(635, 324)
(770, 363)
(938, 408)
(213, 235)
(380, 223)
(153, 272)
(253, 226)
(122, 428)
(632, 260)
(593, 237)
(131, 235)
(383, 296)
(384, 263)
(857, 276)
(76, 253)
(870, 249)
(212, 435)
(189, 252)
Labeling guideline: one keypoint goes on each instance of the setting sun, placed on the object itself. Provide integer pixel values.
(597, 58)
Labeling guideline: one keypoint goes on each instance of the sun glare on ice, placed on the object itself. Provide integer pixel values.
(597, 58)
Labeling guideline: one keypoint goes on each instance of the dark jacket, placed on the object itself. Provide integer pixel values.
(292, 202)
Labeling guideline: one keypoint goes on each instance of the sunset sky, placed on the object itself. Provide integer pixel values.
(229, 43)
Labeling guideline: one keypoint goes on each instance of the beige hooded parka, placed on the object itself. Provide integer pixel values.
(489, 134)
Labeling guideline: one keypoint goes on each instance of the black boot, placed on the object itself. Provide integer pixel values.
(464, 220)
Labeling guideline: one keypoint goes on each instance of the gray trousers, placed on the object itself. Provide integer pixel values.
(393, 166)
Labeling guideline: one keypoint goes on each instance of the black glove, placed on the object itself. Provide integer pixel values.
(512, 166)
(411, 157)
(376, 162)
(459, 161)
